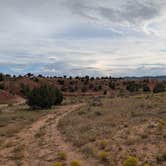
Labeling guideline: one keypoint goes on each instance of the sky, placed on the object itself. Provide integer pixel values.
(83, 37)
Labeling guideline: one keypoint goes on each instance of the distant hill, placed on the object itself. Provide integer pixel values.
(76, 86)
(146, 77)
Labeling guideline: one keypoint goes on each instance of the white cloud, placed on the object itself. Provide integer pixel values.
(111, 37)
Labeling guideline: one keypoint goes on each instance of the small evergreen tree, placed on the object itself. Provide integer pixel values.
(2, 77)
(44, 97)
(2, 86)
(112, 85)
(105, 92)
(160, 87)
(24, 89)
(132, 86)
(84, 88)
(146, 88)
(61, 82)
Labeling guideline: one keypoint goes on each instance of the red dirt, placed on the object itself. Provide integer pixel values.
(6, 97)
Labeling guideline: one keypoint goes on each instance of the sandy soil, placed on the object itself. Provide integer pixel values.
(41, 142)
(16, 103)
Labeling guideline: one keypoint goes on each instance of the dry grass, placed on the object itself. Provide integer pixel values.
(13, 121)
(133, 126)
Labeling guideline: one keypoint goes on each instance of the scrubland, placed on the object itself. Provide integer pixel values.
(99, 122)
(112, 130)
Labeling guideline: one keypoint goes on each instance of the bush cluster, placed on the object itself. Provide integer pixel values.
(58, 164)
(146, 164)
(132, 86)
(2, 86)
(75, 163)
(24, 89)
(131, 161)
(44, 97)
(161, 157)
(103, 156)
(146, 88)
(62, 156)
(2, 77)
(160, 87)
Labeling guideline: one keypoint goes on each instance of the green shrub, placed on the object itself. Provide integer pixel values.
(161, 124)
(103, 144)
(58, 164)
(44, 97)
(105, 92)
(161, 157)
(98, 87)
(62, 155)
(146, 164)
(10, 104)
(131, 161)
(2, 77)
(146, 88)
(160, 87)
(89, 151)
(132, 86)
(2, 86)
(112, 85)
(24, 89)
(103, 156)
(36, 79)
(164, 155)
(75, 163)
(98, 113)
(61, 82)
(71, 88)
(84, 88)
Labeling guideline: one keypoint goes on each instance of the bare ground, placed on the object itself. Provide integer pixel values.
(41, 142)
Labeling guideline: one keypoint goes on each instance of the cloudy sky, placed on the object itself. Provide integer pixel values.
(80, 37)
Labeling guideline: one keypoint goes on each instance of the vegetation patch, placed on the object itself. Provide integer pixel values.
(129, 125)
(131, 161)
(62, 156)
(44, 97)
(58, 164)
(75, 163)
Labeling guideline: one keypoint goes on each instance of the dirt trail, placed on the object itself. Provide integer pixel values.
(39, 145)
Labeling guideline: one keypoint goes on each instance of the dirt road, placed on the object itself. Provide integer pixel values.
(40, 144)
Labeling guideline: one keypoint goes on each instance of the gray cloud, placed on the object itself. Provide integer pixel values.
(133, 11)
(126, 12)
(82, 36)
